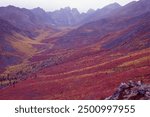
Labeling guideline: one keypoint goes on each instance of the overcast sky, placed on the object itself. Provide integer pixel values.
(50, 5)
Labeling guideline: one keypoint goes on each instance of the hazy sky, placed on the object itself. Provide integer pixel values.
(50, 5)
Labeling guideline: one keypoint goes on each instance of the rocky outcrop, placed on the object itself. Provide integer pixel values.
(65, 16)
(131, 91)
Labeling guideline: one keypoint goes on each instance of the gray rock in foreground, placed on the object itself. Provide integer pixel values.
(131, 91)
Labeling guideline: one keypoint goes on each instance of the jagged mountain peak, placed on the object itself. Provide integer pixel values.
(65, 9)
(90, 11)
(112, 6)
(75, 10)
(11, 6)
(38, 9)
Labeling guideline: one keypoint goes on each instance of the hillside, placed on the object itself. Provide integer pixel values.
(23, 18)
(17, 44)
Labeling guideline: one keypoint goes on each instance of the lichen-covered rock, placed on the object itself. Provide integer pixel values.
(131, 91)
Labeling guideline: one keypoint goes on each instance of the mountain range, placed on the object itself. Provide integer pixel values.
(66, 54)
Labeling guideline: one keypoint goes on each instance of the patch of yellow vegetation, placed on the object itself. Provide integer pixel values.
(83, 75)
(132, 54)
(48, 33)
(23, 44)
(94, 47)
(15, 68)
(147, 50)
(116, 54)
(43, 34)
(135, 62)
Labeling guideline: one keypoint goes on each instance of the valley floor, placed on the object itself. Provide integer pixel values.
(81, 74)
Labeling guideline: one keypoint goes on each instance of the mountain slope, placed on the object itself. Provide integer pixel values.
(7, 56)
(43, 17)
(95, 31)
(101, 13)
(25, 19)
